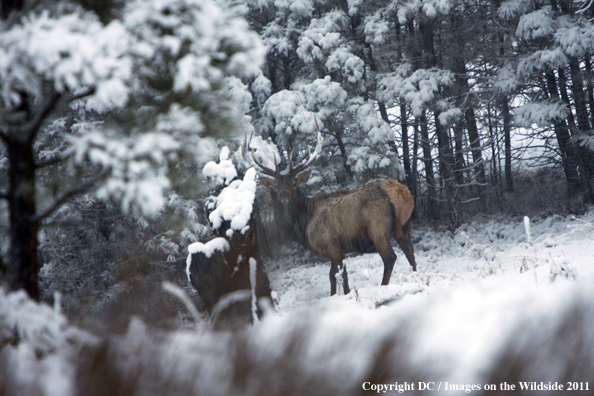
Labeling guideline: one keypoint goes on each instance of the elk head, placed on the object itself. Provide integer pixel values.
(283, 185)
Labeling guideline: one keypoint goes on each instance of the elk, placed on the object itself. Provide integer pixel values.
(224, 263)
(348, 221)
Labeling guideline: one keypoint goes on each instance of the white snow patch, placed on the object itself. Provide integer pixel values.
(235, 203)
(208, 249)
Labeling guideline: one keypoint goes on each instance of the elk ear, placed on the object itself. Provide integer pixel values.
(302, 178)
(267, 183)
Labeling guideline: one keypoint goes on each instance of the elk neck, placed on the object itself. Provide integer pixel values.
(297, 214)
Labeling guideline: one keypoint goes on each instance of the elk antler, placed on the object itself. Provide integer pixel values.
(310, 158)
(263, 169)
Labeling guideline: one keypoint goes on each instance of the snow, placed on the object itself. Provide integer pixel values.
(512, 8)
(235, 202)
(262, 88)
(375, 29)
(541, 114)
(472, 291)
(208, 249)
(576, 41)
(452, 321)
(70, 51)
(417, 89)
(224, 171)
(536, 25)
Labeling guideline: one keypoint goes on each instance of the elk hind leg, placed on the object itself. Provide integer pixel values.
(381, 241)
(388, 256)
(403, 237)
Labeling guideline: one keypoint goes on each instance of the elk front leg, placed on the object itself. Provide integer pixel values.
(345, 280)
(333, 272)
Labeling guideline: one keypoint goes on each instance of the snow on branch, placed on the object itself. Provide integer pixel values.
(290, 111)
(205, 42)
(235, 203)
(541, 114)
(418, 89)
(431, 8)
(321, 37)
(541, 60)
(137, 167)
(224, 171)
(376, 28)
(536, 25)
(576, 41)
(70, 51)
(512, 8)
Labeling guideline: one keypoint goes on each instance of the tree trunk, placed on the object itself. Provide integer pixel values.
(429, 174)
(343, 153)
(590, 87)
(494, 147)
(462, 91)
(509, 184)
(579, 98)
(415, 159)
(580, 151)
(477, 156)
(446, 162)
(22, 253)
(568, 155)
(288, 77)
(583, 120)
(459, 163)
(272, 74)
(405, 145)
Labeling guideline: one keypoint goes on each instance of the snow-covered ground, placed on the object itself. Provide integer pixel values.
(491, 256)
(476, 291)
(488, 305)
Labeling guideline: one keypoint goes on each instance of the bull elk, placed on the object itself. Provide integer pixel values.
(348, 221)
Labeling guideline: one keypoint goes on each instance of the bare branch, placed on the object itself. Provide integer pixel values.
(307, 161)
(32, 128)
(82, 188)
(52, 160)
(88, 91)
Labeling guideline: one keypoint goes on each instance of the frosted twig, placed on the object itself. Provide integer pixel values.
(253, 264)
(184, 298)
(582, 10)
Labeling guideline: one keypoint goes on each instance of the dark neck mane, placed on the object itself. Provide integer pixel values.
(299, 212)
(298, 215)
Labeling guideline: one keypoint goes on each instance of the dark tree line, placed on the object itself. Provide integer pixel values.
(458, 83)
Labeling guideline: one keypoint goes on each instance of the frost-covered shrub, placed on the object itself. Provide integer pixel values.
(333, 348)
(109, 264)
